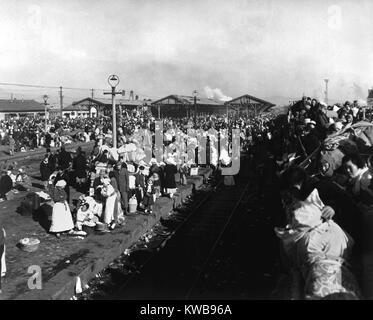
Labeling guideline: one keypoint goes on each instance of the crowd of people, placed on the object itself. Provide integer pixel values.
(318, 180)
(319, 217)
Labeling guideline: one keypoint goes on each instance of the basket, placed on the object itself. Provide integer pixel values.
(29, 244)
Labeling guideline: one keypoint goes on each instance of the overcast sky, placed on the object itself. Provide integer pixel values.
(270, 49)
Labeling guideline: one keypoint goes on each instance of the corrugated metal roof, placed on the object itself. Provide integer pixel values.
(189, 100)
(20, 106)
(249, 97)
(84, 103)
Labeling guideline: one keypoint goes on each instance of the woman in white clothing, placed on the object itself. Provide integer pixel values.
(109, 193)
(62, 220)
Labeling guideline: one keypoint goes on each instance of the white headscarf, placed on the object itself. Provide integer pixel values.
(61, 183)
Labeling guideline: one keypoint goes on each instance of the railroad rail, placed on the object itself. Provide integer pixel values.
(174, 271)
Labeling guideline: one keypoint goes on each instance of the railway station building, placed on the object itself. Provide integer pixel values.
(19, 108)
(183, 106)
(94, 107)
(248, 105)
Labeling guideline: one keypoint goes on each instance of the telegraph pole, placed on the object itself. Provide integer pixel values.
(195, 92)
(45, 98)
(61, 102)
(113, 81)
(326, 91)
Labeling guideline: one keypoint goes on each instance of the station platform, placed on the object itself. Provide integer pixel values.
(38, 152)
(67, 260)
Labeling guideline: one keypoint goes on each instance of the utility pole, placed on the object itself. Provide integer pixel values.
(61, 102)
(113, 81)
(45, 98)
(195, 92)
(326, 91)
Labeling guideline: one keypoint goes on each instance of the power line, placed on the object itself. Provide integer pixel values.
(98, 91)
(42, 87)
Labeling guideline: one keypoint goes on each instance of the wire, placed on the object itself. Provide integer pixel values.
(96, 91)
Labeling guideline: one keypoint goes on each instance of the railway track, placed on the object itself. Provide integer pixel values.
(177, 266)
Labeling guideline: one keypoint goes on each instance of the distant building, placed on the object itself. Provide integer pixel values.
(248, 105)
(183, 106)
(370, 98)
(20, 108)
(92, 107)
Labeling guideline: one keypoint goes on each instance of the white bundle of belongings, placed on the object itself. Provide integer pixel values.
(43, 195)
(224, 157)
(317, 248)
(66, 139)
(129, 147)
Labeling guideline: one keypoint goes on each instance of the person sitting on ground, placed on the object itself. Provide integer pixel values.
(23, 181)
(86, 215)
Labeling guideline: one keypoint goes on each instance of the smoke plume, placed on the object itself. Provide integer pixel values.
(216, 94)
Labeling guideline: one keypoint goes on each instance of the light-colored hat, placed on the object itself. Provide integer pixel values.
(153, 161)
(61, 183)
(142, 163)
(323, 103)
(338, 125)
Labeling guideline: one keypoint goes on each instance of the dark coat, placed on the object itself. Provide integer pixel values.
(64, 176)
(123, 180)
(322, 124)
(140, 180)
(80, 166)
(64, 159)
(6, 184)
(45, 171)
(169, 176)
(57, 194)
(52, 162)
